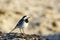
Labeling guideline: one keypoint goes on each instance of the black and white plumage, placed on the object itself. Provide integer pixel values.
(22, 23)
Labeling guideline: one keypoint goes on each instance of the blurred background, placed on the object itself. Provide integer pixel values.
(44, 16)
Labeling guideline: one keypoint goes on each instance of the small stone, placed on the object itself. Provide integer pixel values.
(54, 24)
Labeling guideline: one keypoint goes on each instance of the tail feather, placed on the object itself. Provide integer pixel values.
(12, 30)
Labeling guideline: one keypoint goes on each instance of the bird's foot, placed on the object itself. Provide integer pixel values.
(22, 33)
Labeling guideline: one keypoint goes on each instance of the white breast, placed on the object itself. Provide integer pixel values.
(25, 25)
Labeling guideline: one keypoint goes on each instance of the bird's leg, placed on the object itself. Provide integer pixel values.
(22, 30)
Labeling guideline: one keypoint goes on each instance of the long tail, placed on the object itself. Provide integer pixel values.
(12, 30)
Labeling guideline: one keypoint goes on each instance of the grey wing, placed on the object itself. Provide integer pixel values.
(20, 23)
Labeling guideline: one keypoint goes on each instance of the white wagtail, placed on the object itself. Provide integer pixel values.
(22, 23)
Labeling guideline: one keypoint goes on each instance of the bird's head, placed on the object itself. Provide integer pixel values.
(26, 18)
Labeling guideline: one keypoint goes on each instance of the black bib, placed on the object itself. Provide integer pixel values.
(26, 20)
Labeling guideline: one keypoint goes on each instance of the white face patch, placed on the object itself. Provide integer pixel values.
(26, 17)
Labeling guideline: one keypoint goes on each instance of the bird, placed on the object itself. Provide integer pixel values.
(23, 22)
